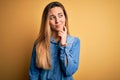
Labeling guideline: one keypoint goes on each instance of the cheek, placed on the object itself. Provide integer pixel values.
(51, 23)
(64, 21)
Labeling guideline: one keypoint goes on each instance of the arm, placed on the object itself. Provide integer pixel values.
(70, 57)
(34, 71)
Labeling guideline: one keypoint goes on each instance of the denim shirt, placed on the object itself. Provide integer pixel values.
(60, 70)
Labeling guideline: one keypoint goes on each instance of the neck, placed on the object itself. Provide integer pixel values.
(55, 36)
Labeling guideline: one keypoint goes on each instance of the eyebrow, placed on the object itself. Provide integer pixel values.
(58, 14)
(51, 15)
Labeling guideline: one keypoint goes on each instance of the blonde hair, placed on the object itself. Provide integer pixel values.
(43, 59)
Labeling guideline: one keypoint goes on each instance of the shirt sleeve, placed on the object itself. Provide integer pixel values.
(69, 57)
(33, 71)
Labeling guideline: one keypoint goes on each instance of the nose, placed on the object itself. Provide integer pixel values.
(57, 20)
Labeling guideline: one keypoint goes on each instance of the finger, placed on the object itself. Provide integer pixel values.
(61, 32)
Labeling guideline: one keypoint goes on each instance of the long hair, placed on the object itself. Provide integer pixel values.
(43, 59)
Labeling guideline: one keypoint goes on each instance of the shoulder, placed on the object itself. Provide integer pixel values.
(72, 42)
(72, 39)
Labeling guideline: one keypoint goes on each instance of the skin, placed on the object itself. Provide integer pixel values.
(57, 24)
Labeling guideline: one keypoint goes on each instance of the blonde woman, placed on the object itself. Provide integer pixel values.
(55, 53)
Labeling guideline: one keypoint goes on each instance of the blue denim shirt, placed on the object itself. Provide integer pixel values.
(60, 70)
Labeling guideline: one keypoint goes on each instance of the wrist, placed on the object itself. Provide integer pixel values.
(65, 44)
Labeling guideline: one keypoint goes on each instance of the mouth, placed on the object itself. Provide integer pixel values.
(57, 26)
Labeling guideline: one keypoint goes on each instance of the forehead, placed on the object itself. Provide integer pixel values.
(55, 10)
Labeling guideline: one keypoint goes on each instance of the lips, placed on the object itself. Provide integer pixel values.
(58, 26)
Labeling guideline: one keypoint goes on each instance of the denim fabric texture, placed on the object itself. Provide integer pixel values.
(59, 70)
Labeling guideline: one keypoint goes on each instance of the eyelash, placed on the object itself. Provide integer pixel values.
(53, 17)
(60, 16)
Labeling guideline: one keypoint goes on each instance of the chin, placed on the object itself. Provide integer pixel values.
(59, 29)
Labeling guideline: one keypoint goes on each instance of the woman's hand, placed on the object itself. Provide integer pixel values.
(63, 35)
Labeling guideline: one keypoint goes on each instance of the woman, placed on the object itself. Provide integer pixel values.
(55, 53)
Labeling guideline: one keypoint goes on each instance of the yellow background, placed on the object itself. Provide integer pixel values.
(95, 22)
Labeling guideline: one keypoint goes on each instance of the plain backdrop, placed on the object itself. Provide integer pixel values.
(95, 22)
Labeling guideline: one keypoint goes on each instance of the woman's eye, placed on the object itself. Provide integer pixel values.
(61, 15)
(52, 17)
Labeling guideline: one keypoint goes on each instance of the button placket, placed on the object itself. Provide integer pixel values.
(56, 60)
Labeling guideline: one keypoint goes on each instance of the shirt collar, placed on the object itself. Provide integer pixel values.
(53, 41)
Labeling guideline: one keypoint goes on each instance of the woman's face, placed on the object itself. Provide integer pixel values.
(56, 18)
